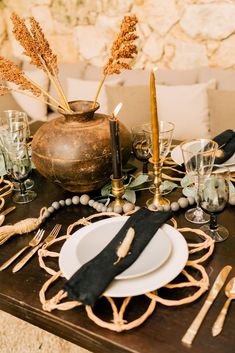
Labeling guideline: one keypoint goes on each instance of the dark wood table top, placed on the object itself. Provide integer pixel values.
(162, 331)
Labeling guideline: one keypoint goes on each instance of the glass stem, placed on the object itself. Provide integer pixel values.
(145, 167)
(213, 221)
(22, 188)
(197, 198)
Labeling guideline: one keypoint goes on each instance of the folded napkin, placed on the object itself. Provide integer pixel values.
(226, 142)
(91, 280)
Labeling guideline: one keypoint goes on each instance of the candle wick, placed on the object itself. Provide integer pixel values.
(113, 117)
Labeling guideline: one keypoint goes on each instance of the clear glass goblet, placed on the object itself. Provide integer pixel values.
(166, 130)
(18, 165)
(213, 198)
(199, 156)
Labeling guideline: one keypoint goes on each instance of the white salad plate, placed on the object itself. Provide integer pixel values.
(150, 271)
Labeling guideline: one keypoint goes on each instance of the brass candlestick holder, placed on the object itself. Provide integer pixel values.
(118, 191)
(157, 199)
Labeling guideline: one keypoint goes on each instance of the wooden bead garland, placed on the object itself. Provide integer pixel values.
(85, 200)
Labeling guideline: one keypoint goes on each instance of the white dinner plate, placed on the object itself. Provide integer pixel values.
(177, 157)
(92, 241)
(173, 265)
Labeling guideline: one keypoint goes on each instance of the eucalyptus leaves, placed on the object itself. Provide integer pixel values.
(133, 184)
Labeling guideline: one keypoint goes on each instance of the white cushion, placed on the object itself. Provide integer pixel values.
(187, 107)
(86, 90)
(34, 107)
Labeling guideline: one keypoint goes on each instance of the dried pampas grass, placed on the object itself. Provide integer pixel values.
(123, 50)
(37, 48)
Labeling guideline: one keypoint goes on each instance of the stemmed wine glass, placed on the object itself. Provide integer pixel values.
(198, 156)
(213, 198)
(140, 147)
(14, 128)
(18, 165)
(166, 130)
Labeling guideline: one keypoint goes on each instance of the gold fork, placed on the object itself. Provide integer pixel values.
(52, 235)
(33, 242)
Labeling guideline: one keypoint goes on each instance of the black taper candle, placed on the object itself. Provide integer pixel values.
(115, 145)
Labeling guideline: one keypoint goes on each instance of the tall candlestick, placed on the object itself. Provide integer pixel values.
(115, 143)
(154, 118)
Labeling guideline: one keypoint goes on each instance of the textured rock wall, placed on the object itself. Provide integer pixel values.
(177, 34)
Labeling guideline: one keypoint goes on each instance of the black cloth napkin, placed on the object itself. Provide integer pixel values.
(226, 142)
(91, 280)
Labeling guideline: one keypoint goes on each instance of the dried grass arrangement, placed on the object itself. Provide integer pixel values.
(38, 49)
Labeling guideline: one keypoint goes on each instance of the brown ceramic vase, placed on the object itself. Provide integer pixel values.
(74, 150)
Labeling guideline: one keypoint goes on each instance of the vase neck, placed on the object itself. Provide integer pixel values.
(82, 111)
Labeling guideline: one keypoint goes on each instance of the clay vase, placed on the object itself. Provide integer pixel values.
(74, 150)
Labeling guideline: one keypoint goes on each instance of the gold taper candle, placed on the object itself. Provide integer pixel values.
(154, 118)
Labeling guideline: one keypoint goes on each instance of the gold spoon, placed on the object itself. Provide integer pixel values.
(4, 213)
(230, 293)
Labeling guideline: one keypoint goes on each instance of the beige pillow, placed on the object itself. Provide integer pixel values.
(86, 90)
(136, 103)
(35, 108)
(187, 107)
(136, 77)
(222, 110)
(225, 79)
(7, 102)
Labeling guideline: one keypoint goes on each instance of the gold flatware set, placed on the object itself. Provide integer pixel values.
(214, 291)
(35, 244)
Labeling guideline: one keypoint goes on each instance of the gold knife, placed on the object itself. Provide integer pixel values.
(215, 289)
(52, 235)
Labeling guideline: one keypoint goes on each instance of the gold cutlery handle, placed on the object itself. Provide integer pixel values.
(194, 327)
(25, 259)
(218, 325)
(9, 261)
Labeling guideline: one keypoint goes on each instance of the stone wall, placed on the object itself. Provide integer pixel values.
(177, 34)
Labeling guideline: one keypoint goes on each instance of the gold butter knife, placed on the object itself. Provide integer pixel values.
(52, 235)
(215, 289)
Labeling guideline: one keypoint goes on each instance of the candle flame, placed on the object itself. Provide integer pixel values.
(155, 69)
(117, 109)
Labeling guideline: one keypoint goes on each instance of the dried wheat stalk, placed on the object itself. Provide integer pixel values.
(122, 52)
(38, 49)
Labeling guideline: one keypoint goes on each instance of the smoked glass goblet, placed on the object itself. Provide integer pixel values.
(14, 127)
(18, 165)
(141, 147)
(213, 198)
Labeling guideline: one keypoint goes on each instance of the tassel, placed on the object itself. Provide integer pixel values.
(25, 226)
(125, 245)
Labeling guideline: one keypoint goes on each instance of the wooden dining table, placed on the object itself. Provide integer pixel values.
(160, 333)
